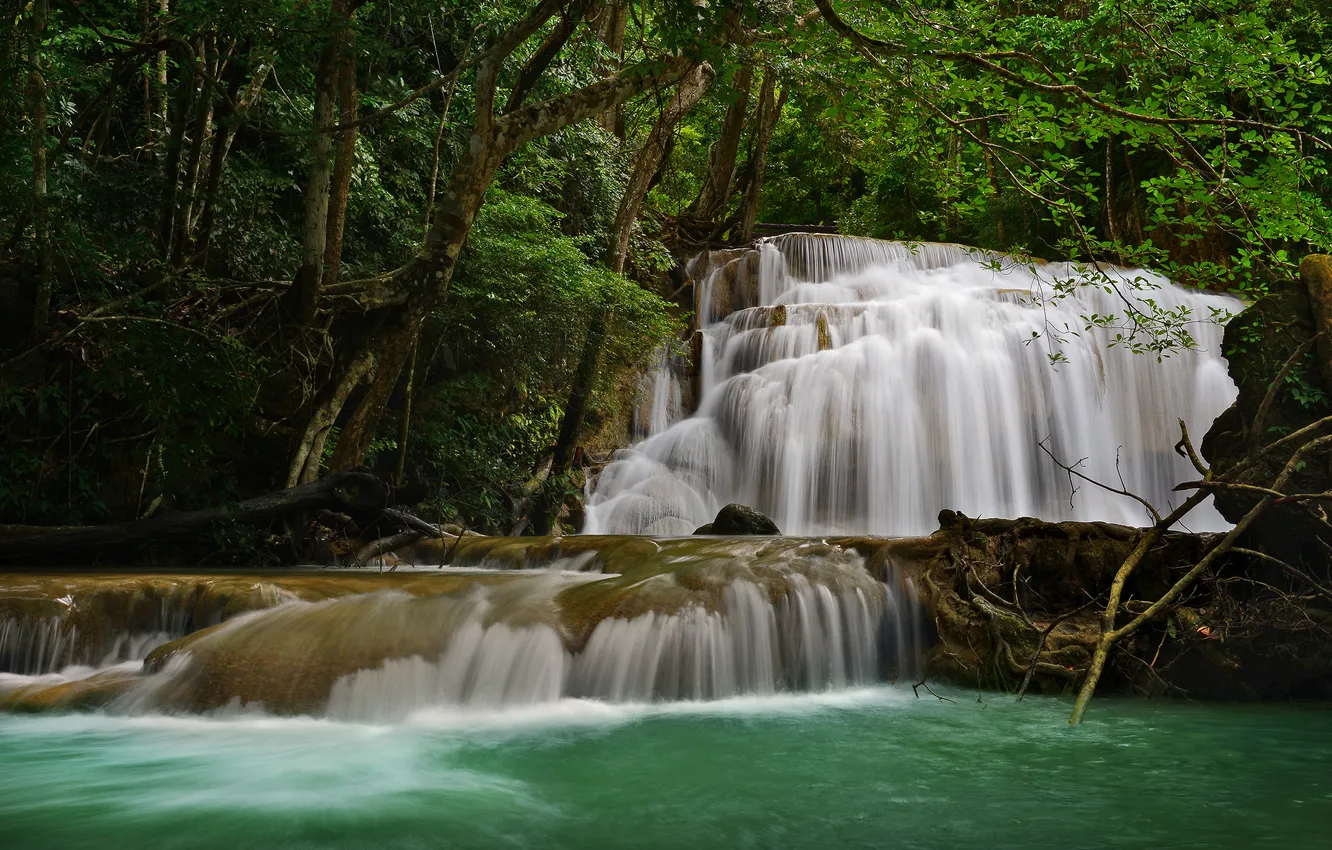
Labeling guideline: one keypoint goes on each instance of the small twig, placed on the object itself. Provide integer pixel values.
(922, 684)
(448, 559)
(1072, 470)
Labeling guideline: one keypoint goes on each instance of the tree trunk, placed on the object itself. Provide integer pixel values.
(344, 160)
(310, 449)
(765, 120)
(610, 24)
(222, 137)
(203, 114)
(409, 395)
(303, 298)
(541, 511)
(404, 298)
(710, 205)
(179, 119)
(694, 85)
(163, 119)
(580, 392)
(37, 111)
(353, 493)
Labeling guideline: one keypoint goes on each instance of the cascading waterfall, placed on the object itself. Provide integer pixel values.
(668, 620)
(859, 386)
(120, 621)
(385, 655)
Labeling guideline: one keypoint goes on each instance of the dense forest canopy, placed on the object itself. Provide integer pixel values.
(244, 244)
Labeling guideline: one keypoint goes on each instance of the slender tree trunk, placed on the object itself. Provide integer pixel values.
(405, 428)
(222, 137)
(694, 85)
(542, 510)
(1112, 227)
(179, 119)
(303, 298)
(765, 120)
(37, 112)
(203, 114)
(344, 160)
(580, 392)
(162, 115)
(710, 204)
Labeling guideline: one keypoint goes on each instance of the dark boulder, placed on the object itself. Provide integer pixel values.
(735, 520)
(1277, 329)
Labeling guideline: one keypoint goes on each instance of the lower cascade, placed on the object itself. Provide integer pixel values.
(855, 386)
(733, 618)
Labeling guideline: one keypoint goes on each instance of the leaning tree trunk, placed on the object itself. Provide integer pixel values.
(178, 121)
(710, 205)
(403, 299)
(765, 120)
(227, 121)
(389, 338)
(694, 85)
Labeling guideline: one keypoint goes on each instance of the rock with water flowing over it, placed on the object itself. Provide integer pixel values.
(857, 386)
(736, 520)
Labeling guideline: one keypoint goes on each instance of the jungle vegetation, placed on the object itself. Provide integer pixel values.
(248, 243)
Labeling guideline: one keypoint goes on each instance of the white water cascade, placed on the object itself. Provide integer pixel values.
(816, 623)
(857, 386)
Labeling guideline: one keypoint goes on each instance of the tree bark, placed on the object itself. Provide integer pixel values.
(692, 87)
(765, 120)
(345, 158)
(222, 138)
(310, 449)
(203, 114)
(40, 217)
(303, 298)
(710, 205)
(580, 392)
(179, 114)
(610, 23)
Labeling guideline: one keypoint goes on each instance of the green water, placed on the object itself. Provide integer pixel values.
(868, 768)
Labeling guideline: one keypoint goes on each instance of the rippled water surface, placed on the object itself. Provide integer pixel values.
(862, 768)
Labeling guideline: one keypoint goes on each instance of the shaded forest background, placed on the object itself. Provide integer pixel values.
(245, 244)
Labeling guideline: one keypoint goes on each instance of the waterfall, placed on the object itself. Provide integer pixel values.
(858, 386)
(660, 388)
(50, 623)
(725, 619)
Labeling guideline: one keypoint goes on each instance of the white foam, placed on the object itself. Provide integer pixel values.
(900, 383)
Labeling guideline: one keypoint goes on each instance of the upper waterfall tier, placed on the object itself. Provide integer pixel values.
(858, 386)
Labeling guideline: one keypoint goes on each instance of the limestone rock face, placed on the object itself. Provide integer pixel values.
(1258, 344)
(739, 520)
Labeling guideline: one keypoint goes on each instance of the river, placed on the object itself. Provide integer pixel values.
(867, 767)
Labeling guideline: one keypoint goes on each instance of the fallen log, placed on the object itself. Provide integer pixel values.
(386, 544)
(356, 494)
(407, 521)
